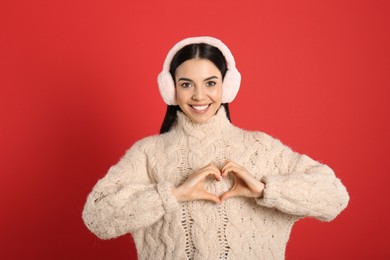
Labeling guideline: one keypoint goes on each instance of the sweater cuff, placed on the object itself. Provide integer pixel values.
(271, 192)
(169, 202)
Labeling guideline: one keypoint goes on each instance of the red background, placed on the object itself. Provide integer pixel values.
(78, 87)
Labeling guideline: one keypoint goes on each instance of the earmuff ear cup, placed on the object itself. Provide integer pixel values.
(231, 85)
(167, 87)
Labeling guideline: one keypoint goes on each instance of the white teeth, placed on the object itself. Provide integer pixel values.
(200, 108)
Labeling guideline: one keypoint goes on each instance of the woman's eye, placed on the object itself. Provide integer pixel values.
(186, 85)
(211, 83)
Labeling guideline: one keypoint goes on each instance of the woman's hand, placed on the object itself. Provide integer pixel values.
(193, 189)
(245, 184)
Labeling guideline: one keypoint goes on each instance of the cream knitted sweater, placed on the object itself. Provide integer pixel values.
(135, 195)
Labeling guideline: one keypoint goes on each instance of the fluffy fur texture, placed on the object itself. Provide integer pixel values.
(135, 196)
(232, 80)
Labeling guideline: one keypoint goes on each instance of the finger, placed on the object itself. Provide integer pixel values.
(211, 166)
(230, 169)
(212, 171)
(240, 172)
(211, 197)
(203, 172)
(226, 165)
(215, 169)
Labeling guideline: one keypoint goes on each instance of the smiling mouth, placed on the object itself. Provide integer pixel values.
(200, 108)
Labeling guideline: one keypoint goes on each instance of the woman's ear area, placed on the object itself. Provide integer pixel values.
(231, 85)
(167, 89)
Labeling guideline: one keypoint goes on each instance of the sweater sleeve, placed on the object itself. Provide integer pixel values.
(303, 187)
(127, 199)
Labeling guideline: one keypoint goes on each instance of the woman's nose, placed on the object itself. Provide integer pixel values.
(199, 93)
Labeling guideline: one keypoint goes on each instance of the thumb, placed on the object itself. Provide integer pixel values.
(229, 194)
(211, 197)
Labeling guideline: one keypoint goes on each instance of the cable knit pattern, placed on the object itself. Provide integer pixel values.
(135, 195)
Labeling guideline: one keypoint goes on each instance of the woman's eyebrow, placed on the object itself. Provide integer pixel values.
(185, 79)
(212, 77)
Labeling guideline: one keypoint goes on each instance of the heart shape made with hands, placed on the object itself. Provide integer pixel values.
(245, 184)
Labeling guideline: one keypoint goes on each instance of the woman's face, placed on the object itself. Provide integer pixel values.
(198, 89)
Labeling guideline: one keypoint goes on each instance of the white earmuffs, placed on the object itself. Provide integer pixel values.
(231, 82)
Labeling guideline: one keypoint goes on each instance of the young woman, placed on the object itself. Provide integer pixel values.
(204, 188)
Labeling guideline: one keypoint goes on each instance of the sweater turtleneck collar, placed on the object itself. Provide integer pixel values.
(215, 126)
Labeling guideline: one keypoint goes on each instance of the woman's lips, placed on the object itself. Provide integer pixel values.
(200, 108)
